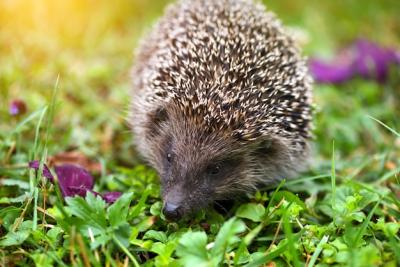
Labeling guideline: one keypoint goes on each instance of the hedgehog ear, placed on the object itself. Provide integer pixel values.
(272, 149)
(158, 117)
(264, 147)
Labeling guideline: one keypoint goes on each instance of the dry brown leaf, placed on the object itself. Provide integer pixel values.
(75, 157)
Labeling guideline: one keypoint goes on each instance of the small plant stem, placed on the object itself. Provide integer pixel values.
(131, 257)
(91, 236)
(278, 229)
(82, 247)
(35, 206)
(44, 192)
(72, 246)
(20, 218)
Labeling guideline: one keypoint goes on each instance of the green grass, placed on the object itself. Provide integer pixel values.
(70, 61)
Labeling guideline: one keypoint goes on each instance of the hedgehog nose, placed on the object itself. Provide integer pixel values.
(172, 212)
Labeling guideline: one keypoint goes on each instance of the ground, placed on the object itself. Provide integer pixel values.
(69, 62)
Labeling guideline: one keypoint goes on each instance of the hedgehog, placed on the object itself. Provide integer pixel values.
(221, 103)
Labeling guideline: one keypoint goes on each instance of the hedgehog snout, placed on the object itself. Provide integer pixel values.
(173, 208)
(184, 199)
(172, 211)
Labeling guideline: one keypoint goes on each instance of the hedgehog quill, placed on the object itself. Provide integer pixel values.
(221, 102)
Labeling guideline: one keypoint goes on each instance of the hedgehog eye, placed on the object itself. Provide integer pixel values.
(169, 157)
(214, 169)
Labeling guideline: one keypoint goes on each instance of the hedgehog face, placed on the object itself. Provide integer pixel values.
(191, 183)
(196, 165)
(194, 174)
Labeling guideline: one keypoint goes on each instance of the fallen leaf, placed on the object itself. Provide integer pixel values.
(77, 158)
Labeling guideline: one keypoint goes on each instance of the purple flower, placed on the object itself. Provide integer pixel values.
(74, 180)
(363, 58)
(17, 107)
(46, 172)
(111, 197)
(329, 73)
(373, 61)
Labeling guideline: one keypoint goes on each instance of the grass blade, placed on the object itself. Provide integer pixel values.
(268, 257)
(287, 228)
(364, 225)
(28, 119)
(37, 131)
(50, 117)
(333, 179)
(318, 250)
(384, 125)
